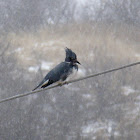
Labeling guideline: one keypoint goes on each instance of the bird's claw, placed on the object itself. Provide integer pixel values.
(64, 83)
(60, 84)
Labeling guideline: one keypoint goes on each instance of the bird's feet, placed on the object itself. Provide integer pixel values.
(66, 83)
(63, 83)
(60, 84)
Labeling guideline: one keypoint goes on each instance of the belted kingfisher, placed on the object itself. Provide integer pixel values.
(62, 71)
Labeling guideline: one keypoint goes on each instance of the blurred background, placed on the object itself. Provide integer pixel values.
(104, 34)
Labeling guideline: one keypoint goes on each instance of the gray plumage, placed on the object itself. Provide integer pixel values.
(62, 71)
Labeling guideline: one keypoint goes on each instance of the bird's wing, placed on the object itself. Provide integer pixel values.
(56, 74)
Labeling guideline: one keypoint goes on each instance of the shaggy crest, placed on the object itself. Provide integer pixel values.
(70, 55)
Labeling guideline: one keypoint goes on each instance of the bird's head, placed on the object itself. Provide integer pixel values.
(71, 56)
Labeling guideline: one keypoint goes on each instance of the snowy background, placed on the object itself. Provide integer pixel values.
(104, 34)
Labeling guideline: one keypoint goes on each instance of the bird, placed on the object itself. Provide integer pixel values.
(62, 71)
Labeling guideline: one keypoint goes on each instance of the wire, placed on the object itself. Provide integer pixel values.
(68, 82)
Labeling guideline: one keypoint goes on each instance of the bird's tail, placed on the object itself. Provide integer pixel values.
(39, 84)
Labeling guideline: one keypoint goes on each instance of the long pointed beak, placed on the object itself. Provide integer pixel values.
(78, 62)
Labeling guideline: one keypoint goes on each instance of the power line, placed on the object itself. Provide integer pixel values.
(72, 81)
